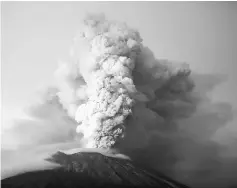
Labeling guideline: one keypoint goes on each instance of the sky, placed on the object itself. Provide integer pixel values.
(37, 35)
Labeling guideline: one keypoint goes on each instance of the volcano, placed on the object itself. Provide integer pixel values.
(90, 169)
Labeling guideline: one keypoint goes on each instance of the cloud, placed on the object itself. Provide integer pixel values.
(193, 148)
(115, 94)
(48, 123)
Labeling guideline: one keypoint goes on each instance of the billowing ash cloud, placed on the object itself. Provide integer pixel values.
(115, 95)
(155, 111)
(114, 87)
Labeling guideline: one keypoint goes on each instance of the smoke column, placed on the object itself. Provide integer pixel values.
(123, 98)
(120, 84)
(114, 94)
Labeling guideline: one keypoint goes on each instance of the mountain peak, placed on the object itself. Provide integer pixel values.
(92, 169)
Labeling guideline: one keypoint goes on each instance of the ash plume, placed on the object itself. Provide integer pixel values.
(153, 110)
(115, 94)
(121, 79)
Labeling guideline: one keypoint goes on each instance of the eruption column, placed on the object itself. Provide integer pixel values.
(107, 69)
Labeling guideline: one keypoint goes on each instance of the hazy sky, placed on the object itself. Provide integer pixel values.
(35, 35)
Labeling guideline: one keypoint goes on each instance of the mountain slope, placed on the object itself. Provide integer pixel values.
(90, 169)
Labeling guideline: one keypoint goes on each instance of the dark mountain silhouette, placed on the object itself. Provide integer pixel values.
(87, 169)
